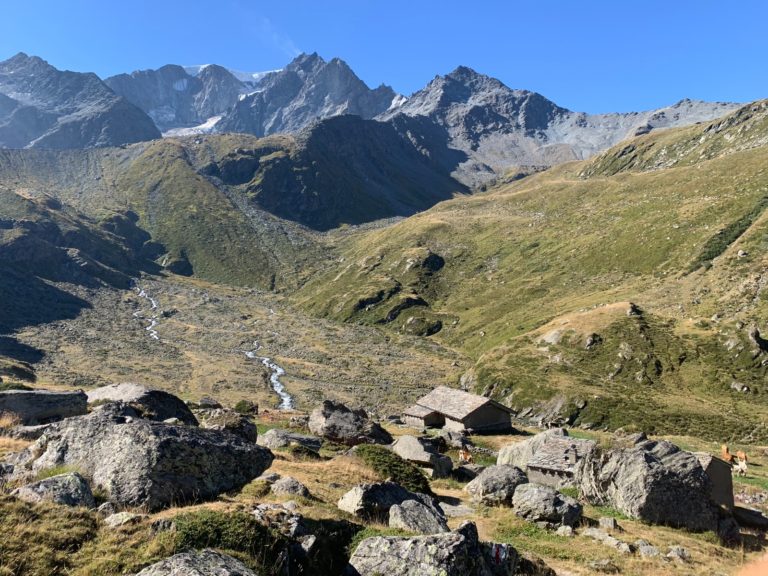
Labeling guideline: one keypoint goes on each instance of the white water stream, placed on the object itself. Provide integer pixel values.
(286, 400)
(154, 312)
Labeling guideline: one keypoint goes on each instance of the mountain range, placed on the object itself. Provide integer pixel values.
(477, 128)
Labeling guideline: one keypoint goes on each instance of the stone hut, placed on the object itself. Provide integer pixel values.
(458, 411)
(554, 462)
(721, 479)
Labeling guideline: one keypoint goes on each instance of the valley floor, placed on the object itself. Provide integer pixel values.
(203, 333)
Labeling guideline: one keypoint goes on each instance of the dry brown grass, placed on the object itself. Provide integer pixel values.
(9, 420)
(11, 445)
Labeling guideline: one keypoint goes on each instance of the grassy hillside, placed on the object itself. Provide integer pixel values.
(683, 239)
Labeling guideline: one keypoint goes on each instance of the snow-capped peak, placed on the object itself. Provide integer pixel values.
(242, 76)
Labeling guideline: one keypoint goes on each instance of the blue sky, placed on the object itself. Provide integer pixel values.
(594, 56)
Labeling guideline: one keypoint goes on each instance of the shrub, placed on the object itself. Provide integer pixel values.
(5, 386)
(387, 464)
(246, 407)
(235, 531)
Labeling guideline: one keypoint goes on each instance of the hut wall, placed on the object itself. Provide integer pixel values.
(489, 418)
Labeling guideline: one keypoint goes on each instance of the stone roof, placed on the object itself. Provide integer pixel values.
(560, 454)
(455, 404)
(418, 411)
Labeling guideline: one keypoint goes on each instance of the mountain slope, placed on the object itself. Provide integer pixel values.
(308, 89)
(499, 128)
(43, 107)
(535, 279)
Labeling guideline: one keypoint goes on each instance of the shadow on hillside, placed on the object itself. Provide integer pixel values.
(26, 300)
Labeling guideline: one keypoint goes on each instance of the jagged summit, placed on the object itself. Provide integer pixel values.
(308, 89)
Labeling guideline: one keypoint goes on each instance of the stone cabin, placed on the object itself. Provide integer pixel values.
(458, 411)
(554, 462)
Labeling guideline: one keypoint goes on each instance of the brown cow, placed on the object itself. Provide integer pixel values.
(741, 455)
(725, 454)
(465, 456)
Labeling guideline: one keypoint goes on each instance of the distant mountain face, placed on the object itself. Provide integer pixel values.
(177, 98)
(498, 127)
(43, 107)
(308, 89)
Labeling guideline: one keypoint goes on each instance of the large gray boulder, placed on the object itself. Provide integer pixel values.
(337, 423)
(202, 563)
(543, 504)
(414, 516)
(144, 463)
(68, 489)
(496, 485)
(373, 501)
(231, 421)
(423, 453)
(41, 406)
(653, 481)
(458, 553)
(151, 404)
(277, 438)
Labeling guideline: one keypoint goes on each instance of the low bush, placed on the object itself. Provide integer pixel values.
(387, 464)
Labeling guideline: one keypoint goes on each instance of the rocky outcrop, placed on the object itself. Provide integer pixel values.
(143, 463)
(40, 406)
(151, 404)
(653, 481)
(546, 505)
(43, 107)
(276, 438)
(202, 563)
(373, 501)
(458, 553)
(496, 485)
(69, 489)
(337, 423)
(423, 453)
(231, 421)
(414, 516)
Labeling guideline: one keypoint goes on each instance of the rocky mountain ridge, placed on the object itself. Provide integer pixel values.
(43, 107)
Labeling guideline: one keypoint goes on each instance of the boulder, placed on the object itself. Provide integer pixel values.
(276, 438)
(69, 489)
(41, 406)
(150, 404)
(289, 486)
(26, 432)
(282, 519)
(496, 485)
(454, 439)
(144, 463)
(539, 503)
(458, 553)
(414, 516)
(122, 519)
(373, 501)
(423, 453)
(202, 563)
(231, 421)
(653, 481)
(337, 423)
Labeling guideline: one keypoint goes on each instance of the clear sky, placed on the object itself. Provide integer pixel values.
(593, 56)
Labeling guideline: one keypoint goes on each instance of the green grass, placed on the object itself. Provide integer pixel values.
(387, 464)
(761, 483)
(56, 471)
